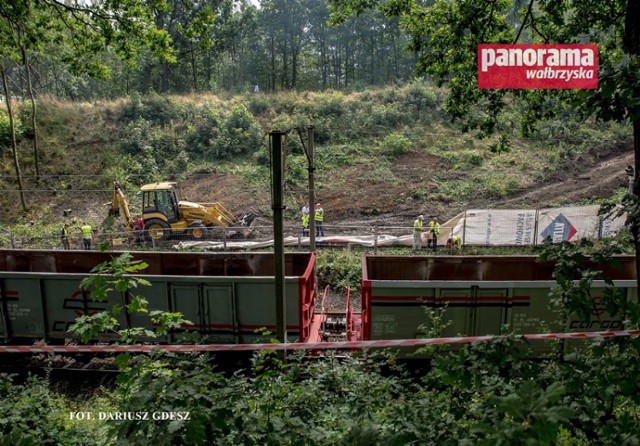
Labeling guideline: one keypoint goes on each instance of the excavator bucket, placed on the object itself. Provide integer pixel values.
(247, 220)
(243, 227)
(219, 213)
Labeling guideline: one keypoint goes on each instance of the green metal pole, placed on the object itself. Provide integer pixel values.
(278, 233)
(312, 195)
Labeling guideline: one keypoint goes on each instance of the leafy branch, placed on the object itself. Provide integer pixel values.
(117, 276)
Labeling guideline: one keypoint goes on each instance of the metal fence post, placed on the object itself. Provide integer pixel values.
(375, 240)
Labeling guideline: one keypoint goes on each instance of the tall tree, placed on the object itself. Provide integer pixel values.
(16, 23)
(188, 23)
(82, 30)
(12, 130)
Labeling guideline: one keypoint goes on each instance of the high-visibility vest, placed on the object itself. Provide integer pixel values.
(417, 226)
(456, 241)
(64, 233)
(434, 227)
(305, 220)
(86, 231)
(319, 215)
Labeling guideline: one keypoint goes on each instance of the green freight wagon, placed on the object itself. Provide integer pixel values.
(478, 294)
(226, 296)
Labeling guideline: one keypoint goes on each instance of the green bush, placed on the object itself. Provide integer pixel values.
(388, 116)
(420, 96)
(499, 185)
(329, 105)
(218, 136)
(31, 414)
(296, 169)
(5, 130)
(462, 159)
(339, 269)
(258, 104)
(153, 108)
(395, 144)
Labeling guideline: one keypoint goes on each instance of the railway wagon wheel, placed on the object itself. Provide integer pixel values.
(197, 231)
(156, 229)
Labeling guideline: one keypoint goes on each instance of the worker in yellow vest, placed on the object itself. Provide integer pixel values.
(434, 230)
(417, 233)
(87, 236)
(454, 244)
(305, 224)
(319, 218)
(64, 236)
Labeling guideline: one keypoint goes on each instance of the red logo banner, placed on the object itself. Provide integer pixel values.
(559, 66)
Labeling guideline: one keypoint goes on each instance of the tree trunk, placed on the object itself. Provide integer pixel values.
(14, 144)
(632, 43)
(635, 224)
(272, 47)
(164, 77)
(36, 151)
(194, 69)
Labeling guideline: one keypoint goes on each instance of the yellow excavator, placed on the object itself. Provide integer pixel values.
(165, 215)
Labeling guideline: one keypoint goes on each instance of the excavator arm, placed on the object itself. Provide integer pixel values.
(120, 206)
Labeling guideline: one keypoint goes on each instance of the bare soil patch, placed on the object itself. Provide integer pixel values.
(364, 200)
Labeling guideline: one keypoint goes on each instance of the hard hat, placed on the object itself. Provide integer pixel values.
(421, 217)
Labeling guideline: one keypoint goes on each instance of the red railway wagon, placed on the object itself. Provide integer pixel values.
(227, 296)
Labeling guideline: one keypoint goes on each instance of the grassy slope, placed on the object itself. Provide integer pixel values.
(386, 154)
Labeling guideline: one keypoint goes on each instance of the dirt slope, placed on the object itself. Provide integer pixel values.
(365, 202)
(594, 177)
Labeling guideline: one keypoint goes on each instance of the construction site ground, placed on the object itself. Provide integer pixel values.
(367, 204)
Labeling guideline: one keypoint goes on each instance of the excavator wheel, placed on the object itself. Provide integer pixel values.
(197, 231)
(156, 229)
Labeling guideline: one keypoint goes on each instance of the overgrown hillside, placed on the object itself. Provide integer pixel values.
(382, 155)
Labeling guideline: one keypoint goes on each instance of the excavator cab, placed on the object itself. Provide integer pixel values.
(160, 210)
(161, 201)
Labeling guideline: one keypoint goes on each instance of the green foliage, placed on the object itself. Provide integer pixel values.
(575, 275)
(32, 414)
(296, 169)
(445, 36)
(451, 191)
(386, 116)
(241, 134)
(150, 151)
(339, 269)
(433, 328)
(114, 275)
(298, 402)
(421, 98)
(331, 105)
(484, 393)
(218, 136)
(500, 186)
(332, 156)
(395, 144)
(5, 131)
(118, 276)
(464, 159)
(154, 108)
(531, 413)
